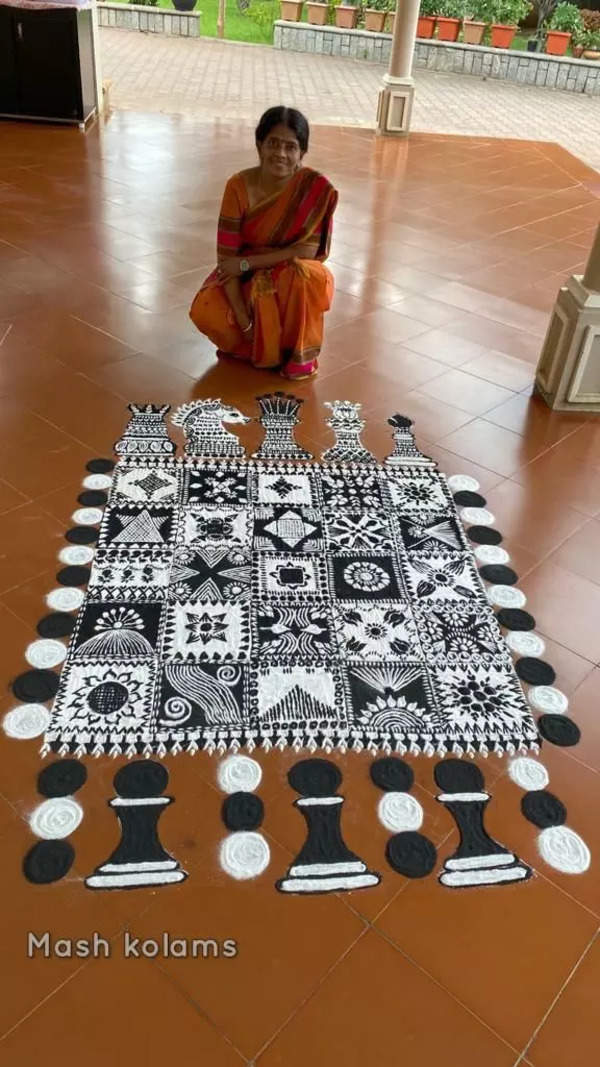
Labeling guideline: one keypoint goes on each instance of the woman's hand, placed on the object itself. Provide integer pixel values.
(229, 268)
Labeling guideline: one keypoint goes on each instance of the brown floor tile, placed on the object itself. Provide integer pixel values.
(529, 416)
(583, 709)
(566, 608)
(26, 438)
(466, 392)
(565, 477)
(481, 968)
(570, 1033)
(10, 497)
(29, 537)
(504, 451)
(530, 518)
(109, 999)
(514, 374)
(580, 553)
(442, 346)
(349, 1019)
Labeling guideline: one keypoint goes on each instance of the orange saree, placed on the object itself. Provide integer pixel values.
(287, 302)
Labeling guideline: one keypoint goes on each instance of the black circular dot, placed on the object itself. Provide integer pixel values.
(484, 535)
(73, 576)
(535, 671)
(243, 811)
(99, 466)
(392, 775)
(559, 730)
(314, 778)
(466, 499)
(411, 854)
(59, 624)
(144, 778)
(61, 779)
(107, 697)
(515, 619)
(35, 686)
(457, 776)
(93, 498)
(543, 809)
(498, 574)
(82, 535)
(48, 861)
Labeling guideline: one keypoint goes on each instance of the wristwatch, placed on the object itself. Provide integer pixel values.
(244, 266)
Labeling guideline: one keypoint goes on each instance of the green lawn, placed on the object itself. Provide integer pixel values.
(239, 26)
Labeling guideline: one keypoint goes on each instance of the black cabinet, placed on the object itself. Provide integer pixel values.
(46, 64)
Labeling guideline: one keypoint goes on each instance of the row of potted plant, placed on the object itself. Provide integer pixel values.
(502, 17)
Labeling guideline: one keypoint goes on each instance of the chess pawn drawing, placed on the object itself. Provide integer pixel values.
(139, 859)
(324, 864)
(146, 432)
(406, 453)
(205, 435)
(478, 860)
(346, 422)
(279, 417)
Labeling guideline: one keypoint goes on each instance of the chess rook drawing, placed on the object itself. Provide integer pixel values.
(146, 433)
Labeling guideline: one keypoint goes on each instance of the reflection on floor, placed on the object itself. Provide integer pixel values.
(447, 255)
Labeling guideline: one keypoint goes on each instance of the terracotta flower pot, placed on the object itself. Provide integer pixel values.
(346, 17)
(317, 14)
(448, 29)
(591, 54)
(473, 32)
(374, 20)
(557, 43)
(502, 36)
(577, 51)
(425, 26)
(389, 22)
(291, 10)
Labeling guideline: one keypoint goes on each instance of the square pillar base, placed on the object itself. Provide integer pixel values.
(568, 371)
(394, 107)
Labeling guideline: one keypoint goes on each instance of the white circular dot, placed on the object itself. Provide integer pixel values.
(244, 855)
(239, 774)
(97, 481)
(524, 643)
(460, 483)
(564, 850)
(491, 554)
(528, 773)
(57, 817)
(45, 653)
(76, 555)
(400, 811)
(548, 700)
(87, 516)
(26, 721)
(477, 516)
(67, 598)
(506, 596)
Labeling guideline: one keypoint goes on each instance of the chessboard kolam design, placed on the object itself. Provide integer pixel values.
(242, 601)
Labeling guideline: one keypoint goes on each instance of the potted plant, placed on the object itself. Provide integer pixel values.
(591, 48)
(506, 16)
(184, 5)
(565, 21)
(473, 28)
(448, 19)
(427, 18)
(346, 15)
(317, 14)
(291, 10)
(375, 14)
(391, 18)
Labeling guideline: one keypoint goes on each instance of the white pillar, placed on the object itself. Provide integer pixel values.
(568, 371)
(397, 91)
(97, 66)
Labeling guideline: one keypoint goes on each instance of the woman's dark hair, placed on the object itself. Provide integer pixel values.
(283, 116)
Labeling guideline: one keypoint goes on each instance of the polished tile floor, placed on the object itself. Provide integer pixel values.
(448, 253)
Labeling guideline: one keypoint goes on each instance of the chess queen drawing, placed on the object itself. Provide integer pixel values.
(265, 301)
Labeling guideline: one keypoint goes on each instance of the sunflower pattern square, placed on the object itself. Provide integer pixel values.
(250, 602)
